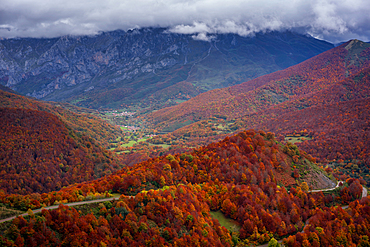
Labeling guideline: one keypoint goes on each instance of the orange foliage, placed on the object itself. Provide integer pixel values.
(40, 154)
(236, 176)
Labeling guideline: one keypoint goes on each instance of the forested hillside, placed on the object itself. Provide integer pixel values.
(306, 78)
(332, 125)
(336, 119)
(312, 123)
(44, 147)
(83, 123)
(39, 153)
(249, 178)
(321, 104)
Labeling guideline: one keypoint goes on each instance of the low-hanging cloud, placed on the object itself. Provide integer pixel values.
(326, 19)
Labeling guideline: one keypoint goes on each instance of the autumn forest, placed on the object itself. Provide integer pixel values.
(280, 160)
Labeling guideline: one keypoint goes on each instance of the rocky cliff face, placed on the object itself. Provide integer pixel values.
(149, 66)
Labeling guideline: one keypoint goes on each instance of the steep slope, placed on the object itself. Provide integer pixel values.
(6, 89)
(257, 155)
(332, 122)
(118, 68)
(339, 131)
(307, 78)
(45, 147)
(82, 123)
(332, 125)
(326, 115)
(38, 153)
(237, 177)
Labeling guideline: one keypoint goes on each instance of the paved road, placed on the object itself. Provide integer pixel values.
(67, 204)
(364, 192)
(327, 189)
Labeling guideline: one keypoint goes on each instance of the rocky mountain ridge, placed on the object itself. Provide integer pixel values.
(118, 67)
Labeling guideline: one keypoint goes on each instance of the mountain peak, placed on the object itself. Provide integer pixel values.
(355, 43)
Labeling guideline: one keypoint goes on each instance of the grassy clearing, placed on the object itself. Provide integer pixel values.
(116, 194)
(221, 126)
(131, 143)
(161, 145)
(297, 139)
(6, 212)
(75, 101)
(121, 152)
(229, 224)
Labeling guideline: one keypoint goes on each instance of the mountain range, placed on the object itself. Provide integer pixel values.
(281, 87)
(148, 67)
(211, 179)
(322, 103)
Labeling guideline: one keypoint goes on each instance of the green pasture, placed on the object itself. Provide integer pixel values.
(297, 139)
(229, 224)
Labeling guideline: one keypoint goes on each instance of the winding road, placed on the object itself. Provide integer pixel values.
(364, 194)
(327, 189)
(67, 204)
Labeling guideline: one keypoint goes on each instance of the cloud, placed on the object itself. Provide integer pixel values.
(327, 19)
(196, 27)
(227, 26)
(203, 37)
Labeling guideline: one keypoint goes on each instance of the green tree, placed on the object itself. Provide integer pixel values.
(273, 243)
(304, 186)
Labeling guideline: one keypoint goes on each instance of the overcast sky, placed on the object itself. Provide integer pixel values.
(334, 21)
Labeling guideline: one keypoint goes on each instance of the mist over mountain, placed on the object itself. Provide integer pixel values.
(144, 67)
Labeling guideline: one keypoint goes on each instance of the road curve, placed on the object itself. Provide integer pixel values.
(327, 189)
(364, 192)
(67, 204)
